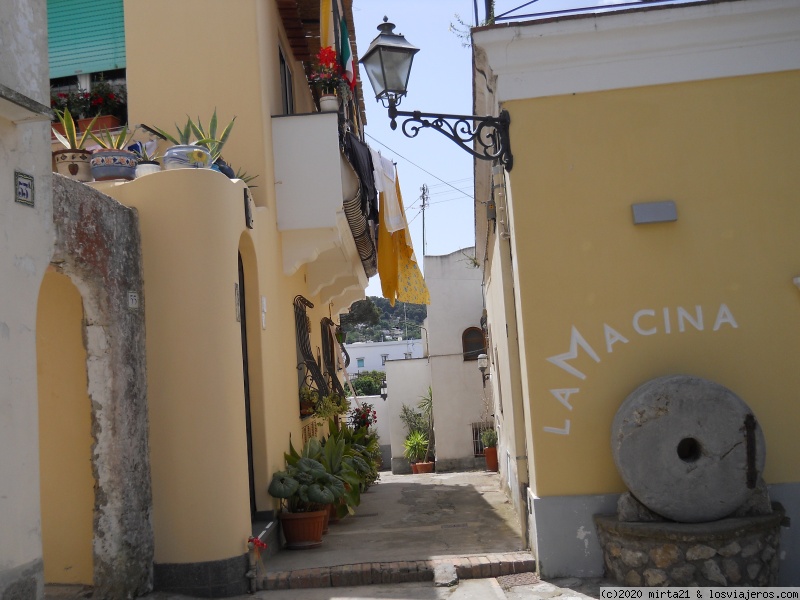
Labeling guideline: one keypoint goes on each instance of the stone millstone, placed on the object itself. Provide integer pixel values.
(680, 445)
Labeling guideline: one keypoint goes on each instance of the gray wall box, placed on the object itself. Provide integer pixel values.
(654, 212)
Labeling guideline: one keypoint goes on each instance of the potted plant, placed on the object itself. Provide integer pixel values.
(74, 160)
(326, 77)
(201, 153)
(146, 158)
(112, 160)
(489, 441)
(415, 448)
(305, 490)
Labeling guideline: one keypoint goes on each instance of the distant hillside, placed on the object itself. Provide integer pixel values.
(375, 320)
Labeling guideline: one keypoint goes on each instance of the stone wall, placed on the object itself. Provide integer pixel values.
(98, 246)
(728, 552)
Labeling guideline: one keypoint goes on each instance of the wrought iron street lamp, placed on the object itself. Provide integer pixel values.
(387, 63)
(483, 365)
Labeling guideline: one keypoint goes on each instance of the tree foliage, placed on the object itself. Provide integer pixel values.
(368, 383)
(376, 320)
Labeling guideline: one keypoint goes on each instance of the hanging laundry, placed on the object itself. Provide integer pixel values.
(401, 277)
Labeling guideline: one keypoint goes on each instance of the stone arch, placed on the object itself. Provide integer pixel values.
(97, 246)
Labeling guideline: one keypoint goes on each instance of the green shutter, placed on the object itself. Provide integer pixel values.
(85, 36)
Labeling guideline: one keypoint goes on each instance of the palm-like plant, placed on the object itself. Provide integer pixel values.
(113, 141)
(70, 138)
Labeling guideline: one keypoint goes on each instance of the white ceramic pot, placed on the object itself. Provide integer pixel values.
(146, 168)
(187, 157)
(74, 164)
(328, 103)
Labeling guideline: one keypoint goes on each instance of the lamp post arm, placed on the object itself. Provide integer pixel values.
(486, 138)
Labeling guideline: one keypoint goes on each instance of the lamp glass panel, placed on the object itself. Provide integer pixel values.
(375, 73)
(397, 67)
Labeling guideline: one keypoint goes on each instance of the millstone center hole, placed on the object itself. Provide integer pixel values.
(689, 449)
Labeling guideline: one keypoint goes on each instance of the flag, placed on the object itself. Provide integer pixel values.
(345, 49)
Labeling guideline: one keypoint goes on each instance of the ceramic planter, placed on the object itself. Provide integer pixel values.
(303, 530)
(110, 164)
(146, 168)
(74, 164)
(328, 103)
(187, 157)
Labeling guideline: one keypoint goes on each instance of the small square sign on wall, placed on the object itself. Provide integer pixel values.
(23, 184)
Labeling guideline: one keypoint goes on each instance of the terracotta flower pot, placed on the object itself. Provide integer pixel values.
(303, 530)
(425, 467)
(74, 164)
(490, 454)
(414, 468)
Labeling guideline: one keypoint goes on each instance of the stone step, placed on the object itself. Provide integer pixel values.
(466, 567)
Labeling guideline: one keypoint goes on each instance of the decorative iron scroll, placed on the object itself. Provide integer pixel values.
(486, 138)
(329, 344)
(312, 375)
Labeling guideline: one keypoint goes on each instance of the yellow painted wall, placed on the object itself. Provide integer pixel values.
(190, 240)
(175, 68)
(65, 440)
(726, 151)
(192, 227)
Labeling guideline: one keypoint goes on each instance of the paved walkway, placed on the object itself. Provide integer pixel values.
(408, 530)
(406, 526)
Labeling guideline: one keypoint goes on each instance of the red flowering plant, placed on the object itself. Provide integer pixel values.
(363, 415)
(327, 73)
(108, 99)
(75, 101)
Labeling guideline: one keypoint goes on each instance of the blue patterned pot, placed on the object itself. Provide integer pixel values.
(186, 157)
(113, 164)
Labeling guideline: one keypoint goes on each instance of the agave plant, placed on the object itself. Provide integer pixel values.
(113, 141)
(208, 137)
(199, 135)
(70, 138)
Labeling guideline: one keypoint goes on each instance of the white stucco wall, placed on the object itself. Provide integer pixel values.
(407, 381)
(372, 352)
(454, 283)
(25, 247)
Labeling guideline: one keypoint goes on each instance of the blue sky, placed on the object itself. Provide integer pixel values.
(440, 82)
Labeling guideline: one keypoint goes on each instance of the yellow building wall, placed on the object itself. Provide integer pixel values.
(193, 225)
(726, 151)
(65, 439)
(175, 69)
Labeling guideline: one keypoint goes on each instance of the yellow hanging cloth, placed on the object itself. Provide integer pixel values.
(401, 278)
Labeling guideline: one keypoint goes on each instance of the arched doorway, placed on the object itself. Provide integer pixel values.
(65, 434)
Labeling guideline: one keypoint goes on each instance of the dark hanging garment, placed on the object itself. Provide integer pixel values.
(358, 154)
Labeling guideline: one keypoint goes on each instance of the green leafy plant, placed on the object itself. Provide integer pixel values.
(305, 486)
(415, 446)
(208, 136)
(331, 405)
(244, 176)
(489, 438)
(70, 138)
(113, 141)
